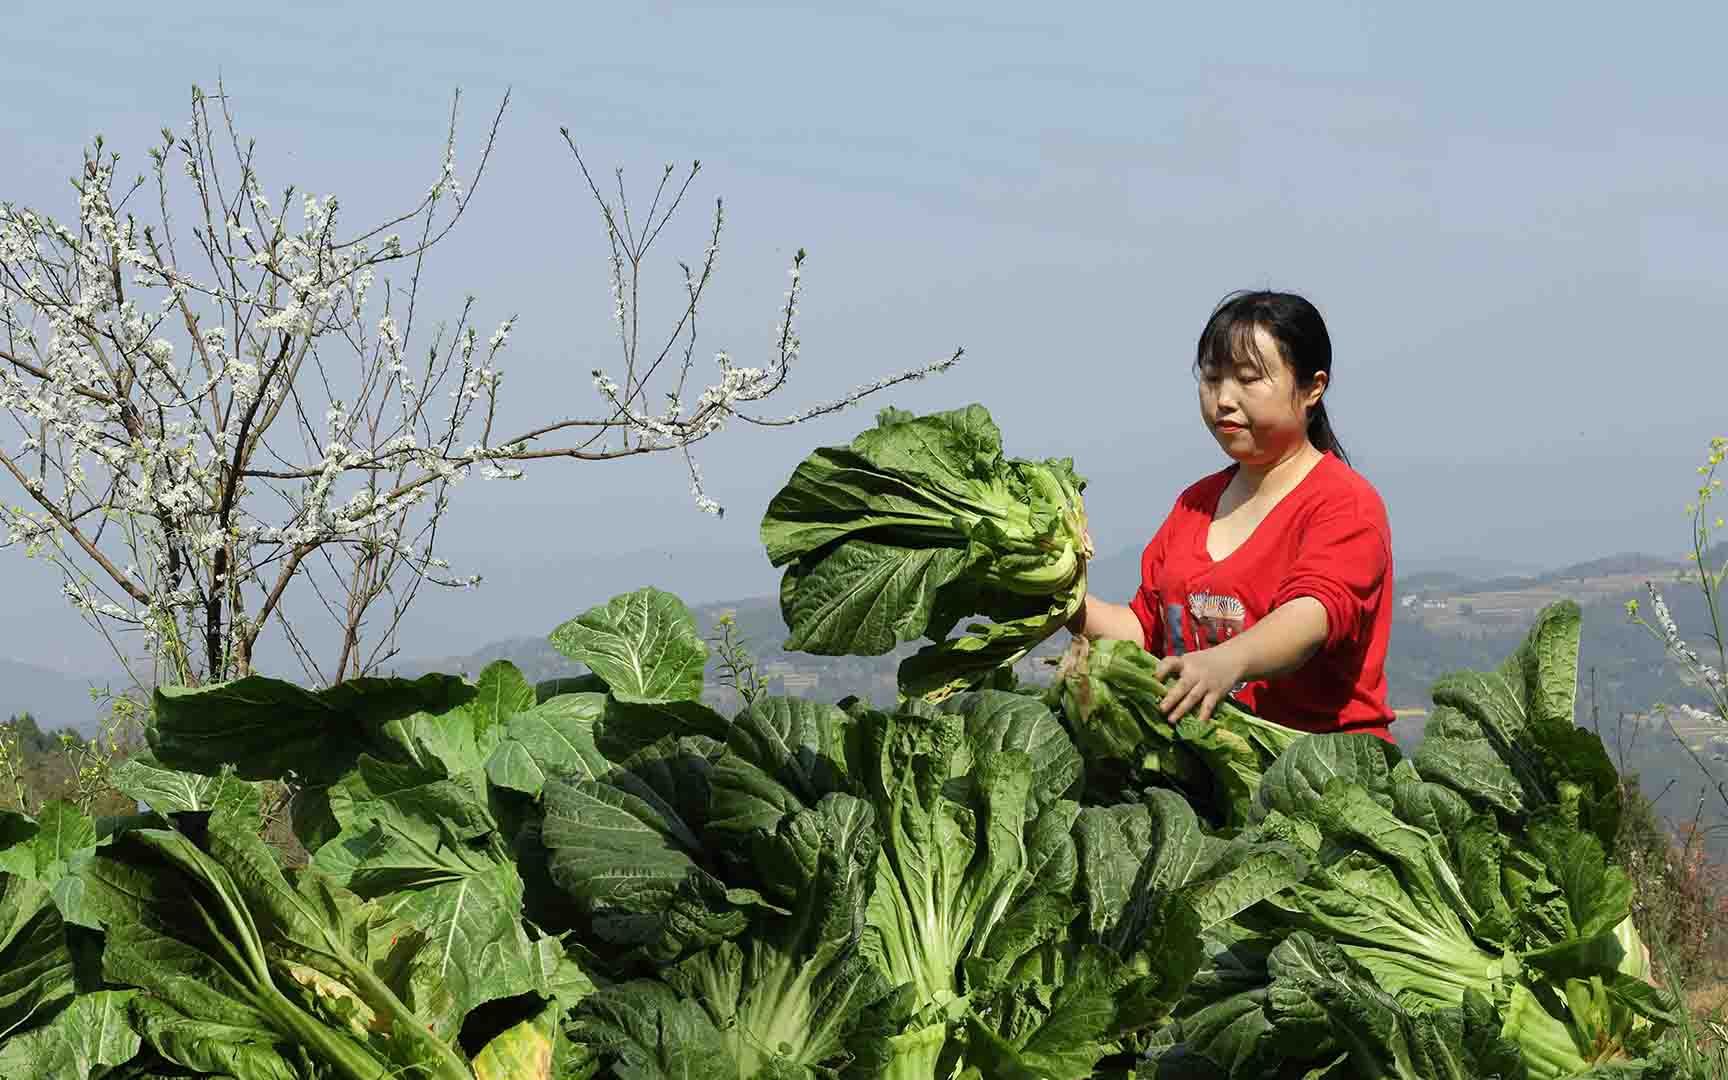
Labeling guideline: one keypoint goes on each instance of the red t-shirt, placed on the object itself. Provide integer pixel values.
(1328, 539)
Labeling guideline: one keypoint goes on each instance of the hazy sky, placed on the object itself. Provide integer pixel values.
(1512, 217)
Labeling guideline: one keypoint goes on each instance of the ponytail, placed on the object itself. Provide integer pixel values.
(1320, 433)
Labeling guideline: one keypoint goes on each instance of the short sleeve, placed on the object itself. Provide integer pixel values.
(1341, 561)
(1145, 604)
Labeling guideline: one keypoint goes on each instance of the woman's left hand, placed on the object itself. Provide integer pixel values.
(1201, 680)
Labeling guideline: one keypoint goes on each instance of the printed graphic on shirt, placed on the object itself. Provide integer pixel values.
(1175, 631)
(1217, 619)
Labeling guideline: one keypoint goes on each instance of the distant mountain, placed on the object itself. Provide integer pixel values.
(56, 700)
(1464, 567)
(1628, 563)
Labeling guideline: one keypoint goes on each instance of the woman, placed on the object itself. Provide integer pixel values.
(1270, 579)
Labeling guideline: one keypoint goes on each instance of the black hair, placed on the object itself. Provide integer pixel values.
(1295, 324)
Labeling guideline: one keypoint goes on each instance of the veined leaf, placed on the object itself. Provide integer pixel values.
(168, 791)
(36, 971)
(863, 598)
(424, 847)
(644, 644)
(553, 738)
(17, 844)
(782, 755)
(267, 729)
(629, 848)
(208, 933)
(82, 1040)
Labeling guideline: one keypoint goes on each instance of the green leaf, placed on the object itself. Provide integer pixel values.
(571, 684)
(998, 721)
(210, 933)
(522, 1052)
(500, 692)
(629, 849)
(912, 476)
(17, 844)
(36, 970)
(1524, 716)
(267, 729)
(209, 1046)
(62, 831)
(1458, 753)
(1653, 1003)
(425, 847)
(986, 651)
(916, 525)
(1065, 1042)
(1113, 702)
(628, 727)
(164, 790)
(644, 644)
(782, 755)
(86, 1037)
(1156, 884)
(953, 817)
(648, 1032)
(863, 598)
(798, 994)
(1296, 783)
(554, 738)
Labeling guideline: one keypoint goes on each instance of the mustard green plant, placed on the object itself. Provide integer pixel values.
(738, 669)
(11, 767)
(1703, 671)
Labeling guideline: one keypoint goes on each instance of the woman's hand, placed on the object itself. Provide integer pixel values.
(1201, 680)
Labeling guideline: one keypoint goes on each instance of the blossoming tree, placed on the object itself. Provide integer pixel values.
(215, 417)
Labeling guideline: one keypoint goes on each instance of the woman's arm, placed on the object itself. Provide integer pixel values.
(1277, 645)
(1102, 620)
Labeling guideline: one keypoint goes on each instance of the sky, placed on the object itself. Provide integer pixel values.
(1510, 216)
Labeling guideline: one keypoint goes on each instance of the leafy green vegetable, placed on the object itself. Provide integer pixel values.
(164, 790)
(267, 729)
(240, 965)
(88, 1036)
(1111, 696)
(1455, 886)
(629, 847)
(36, 969)
(793, 995)
(1318, 1009)
(919, 523)
(1507, 740)
(643, 644)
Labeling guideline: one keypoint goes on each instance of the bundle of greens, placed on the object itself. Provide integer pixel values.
(918, 524)
(1110, 696)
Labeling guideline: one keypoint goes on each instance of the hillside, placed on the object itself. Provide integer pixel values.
(57, 700)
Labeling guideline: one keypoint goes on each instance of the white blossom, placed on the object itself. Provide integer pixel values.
(1677, 644)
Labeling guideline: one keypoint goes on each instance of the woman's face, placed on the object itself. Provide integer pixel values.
(1258, 413)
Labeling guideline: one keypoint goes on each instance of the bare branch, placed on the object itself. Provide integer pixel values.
(262, 432)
